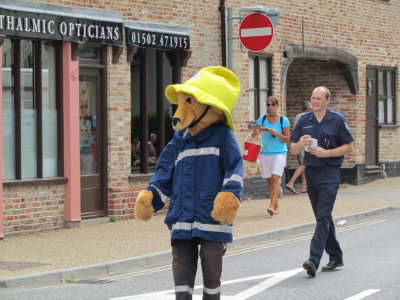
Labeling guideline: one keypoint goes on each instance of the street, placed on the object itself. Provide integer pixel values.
(270, 270)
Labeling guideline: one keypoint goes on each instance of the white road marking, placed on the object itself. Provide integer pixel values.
(260, 246)
(362, 295)
(272, 279)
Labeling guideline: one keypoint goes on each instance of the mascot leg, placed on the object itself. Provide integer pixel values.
(184, 267)
(211, 254)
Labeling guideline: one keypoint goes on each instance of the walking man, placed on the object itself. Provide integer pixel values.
(322, 161)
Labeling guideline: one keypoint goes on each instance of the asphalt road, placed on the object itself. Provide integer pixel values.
(270, 270)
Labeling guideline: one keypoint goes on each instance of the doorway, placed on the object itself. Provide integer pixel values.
(371, 122)
(92, 140)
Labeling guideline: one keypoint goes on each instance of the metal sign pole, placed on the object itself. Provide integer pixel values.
(230, 38)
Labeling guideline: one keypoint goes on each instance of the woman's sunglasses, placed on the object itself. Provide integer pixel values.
(271, 104)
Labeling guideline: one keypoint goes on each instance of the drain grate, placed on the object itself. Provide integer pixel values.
(14, 266)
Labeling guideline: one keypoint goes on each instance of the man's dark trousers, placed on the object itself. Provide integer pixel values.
(322, 186)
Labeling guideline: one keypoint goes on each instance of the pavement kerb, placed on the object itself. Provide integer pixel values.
(164, 257)
(306, 227)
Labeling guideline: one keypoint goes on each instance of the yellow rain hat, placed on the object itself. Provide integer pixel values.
(215, 86)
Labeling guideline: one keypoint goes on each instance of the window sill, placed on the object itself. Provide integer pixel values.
(140, 177)
(389, 126)
(36, 181)
(252, 124)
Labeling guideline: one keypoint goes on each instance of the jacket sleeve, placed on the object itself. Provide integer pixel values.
(161, 182)
(232, 163)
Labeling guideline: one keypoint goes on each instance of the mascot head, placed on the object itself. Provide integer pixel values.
(206, 98)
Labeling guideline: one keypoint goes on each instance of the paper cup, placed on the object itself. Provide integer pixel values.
(314, 144)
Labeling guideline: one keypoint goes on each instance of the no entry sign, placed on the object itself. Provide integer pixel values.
(256, 32)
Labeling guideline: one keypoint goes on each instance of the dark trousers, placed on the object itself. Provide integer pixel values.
(184, 267)
(322, 186)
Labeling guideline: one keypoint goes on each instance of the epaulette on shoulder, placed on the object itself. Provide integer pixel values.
(337, 113)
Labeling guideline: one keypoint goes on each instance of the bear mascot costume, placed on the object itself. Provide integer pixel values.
(200, 172)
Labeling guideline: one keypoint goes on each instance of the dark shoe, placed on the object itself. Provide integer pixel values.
(291, 188)
(310, 268)
(332, 265)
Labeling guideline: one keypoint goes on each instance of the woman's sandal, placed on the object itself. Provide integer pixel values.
(271, 211)
(291, 188)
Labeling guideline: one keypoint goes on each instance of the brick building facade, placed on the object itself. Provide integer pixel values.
(105, 66)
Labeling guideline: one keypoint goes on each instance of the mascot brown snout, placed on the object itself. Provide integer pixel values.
(194, 115)
(199, 173)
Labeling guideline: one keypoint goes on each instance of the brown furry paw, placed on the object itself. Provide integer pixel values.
(226, 208)
(143, 207)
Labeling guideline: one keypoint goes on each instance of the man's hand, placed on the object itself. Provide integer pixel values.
(318, 151)
(305, 141)
(339, 151)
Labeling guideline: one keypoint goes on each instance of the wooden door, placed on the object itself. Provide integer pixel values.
(91, 144)
(371, 123)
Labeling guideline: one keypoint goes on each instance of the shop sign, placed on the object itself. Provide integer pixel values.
(155, 39)
(56, 27)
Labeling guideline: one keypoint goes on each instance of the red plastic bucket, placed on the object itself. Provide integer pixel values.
(251, 151)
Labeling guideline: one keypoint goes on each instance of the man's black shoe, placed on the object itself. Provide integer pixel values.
(310, 268)
(332, 265)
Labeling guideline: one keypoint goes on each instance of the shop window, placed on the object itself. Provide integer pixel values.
(386, 96)
(151, 71)
(30, 110)
(259, 84)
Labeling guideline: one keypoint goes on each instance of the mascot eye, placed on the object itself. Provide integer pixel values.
(189, 100)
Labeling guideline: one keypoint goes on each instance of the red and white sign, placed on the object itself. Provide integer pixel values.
(256, 32)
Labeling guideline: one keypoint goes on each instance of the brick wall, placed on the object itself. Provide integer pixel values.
(120, 192)
(31, 209)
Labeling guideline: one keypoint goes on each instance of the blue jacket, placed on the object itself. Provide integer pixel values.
(191, 171)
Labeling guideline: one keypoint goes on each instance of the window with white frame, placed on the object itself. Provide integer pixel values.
(386, 96)
(259, 84)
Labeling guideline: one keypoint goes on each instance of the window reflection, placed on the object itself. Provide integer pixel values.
(8, 111)
(158, 134)
(28, 113)
(22, 96)
(88, 125)
(49, 111)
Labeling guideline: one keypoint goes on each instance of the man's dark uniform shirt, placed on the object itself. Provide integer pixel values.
(331, 133)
